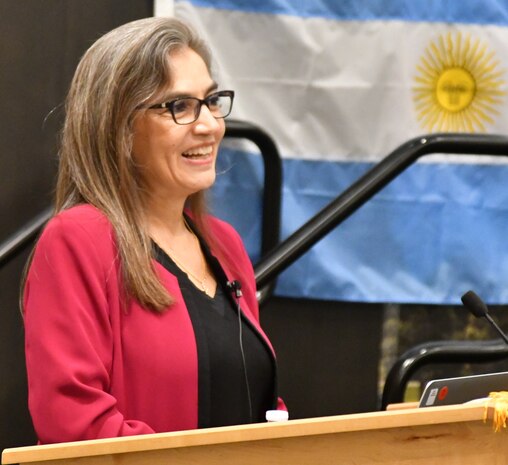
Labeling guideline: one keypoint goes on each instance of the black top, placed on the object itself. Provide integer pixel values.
(229, 391)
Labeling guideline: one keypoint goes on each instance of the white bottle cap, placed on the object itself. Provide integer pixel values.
(276, 415)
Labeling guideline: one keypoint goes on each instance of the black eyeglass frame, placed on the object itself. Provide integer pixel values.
(206, 101)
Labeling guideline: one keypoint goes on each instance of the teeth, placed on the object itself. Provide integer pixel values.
(198, 152)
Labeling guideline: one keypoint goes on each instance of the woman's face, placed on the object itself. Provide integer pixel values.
(175, 160)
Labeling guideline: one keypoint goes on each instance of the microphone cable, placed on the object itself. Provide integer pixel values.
(235, 286)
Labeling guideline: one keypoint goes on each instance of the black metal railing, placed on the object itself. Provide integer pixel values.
(366, 187)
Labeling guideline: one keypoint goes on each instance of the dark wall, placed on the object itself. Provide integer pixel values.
(328, 352)
(41, 44)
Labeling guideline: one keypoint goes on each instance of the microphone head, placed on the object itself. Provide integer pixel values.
(235, 287)
(474, 304)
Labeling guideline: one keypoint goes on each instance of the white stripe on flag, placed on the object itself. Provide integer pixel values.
(337, 90)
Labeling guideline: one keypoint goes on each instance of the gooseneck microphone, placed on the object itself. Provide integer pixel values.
(478, 308)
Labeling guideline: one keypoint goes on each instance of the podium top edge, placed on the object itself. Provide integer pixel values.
(245, 433)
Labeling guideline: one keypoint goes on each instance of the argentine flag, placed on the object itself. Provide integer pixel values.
(339, 85)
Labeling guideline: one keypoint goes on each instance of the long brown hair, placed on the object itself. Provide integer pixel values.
(121, 71)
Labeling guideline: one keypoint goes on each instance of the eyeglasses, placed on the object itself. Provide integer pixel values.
(186, 110)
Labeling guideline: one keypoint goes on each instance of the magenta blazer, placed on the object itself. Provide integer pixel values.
(98, 369)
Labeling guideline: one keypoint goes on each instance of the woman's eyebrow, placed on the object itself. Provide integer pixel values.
(173, 95)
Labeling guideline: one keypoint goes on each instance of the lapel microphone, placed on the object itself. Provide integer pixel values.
(235, 287)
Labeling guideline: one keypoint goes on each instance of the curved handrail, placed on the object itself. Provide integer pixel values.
(365, 187)
(272, 193)
(438, 352)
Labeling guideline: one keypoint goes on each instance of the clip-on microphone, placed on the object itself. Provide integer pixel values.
(235, 286)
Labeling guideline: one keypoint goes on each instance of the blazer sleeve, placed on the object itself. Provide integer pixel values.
(68, 337)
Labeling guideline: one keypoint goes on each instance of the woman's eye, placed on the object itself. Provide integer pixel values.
(182, 106)
(213, 101)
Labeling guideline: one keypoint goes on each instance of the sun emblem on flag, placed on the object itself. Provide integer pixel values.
(459, 85)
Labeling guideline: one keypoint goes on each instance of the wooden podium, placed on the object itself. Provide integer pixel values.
(437, 435)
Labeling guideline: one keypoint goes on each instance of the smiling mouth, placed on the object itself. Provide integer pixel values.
(201, 152)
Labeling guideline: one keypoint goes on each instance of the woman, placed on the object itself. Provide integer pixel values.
(135, 321)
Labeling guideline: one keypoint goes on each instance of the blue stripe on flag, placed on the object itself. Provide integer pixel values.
(474, 12)
(433, 233)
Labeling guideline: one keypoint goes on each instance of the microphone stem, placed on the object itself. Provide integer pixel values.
(498, 329)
